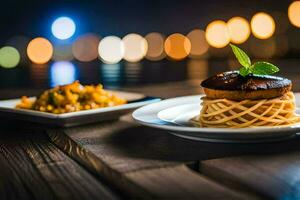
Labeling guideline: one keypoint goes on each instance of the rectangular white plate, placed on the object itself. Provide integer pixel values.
(135, 100)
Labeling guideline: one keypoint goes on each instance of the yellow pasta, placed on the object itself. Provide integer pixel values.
(71, 98)
(224, 113)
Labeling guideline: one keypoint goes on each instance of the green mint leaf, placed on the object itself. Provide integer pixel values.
(242, 57)
(264, 68)
(244, 71)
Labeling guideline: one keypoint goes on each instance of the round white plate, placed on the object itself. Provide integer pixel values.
(174, 114)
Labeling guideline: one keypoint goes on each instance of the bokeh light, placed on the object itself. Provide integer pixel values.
(9, 57)
(294, 13)
(62, 52)
(85, 48)
(177, 46)
(198, 42)
(155, 46)
(62, 73)
(111, 49)
(217, 34)
(135, 47)
(238, 29)
(39, 50)
(262, 25)
(63, 28)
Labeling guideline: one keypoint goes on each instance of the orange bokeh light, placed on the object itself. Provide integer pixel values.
(262, 25)
(198, 42)
(294, 13)
(155, 46)
(39, 50)
(239, 30)
(217, 34)
(85, 48)
(177, 46)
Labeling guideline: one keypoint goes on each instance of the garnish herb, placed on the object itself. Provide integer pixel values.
(259, 68)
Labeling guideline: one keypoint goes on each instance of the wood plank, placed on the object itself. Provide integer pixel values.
(275, 176)
(31, 167)
(142, 162)
(179, 182)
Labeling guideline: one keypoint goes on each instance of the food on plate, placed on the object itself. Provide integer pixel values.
(71, 98)
(250, 97)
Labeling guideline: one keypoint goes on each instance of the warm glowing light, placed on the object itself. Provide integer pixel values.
(294, 13)
(238, 29)
(111, 49)
(63, 28)
(217, 34)
(62, 73)
(9, 57)
(85, 47)
(62, 52)
(262, 25)
(177, 46)
(198, 42)
(155, 46)
(135, 47)
(39, 50)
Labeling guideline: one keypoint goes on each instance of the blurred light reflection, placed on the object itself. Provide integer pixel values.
(217, 34)
(135, 47)
(111, 49)
(39, 50)
(9, 57)
(63, 28)
(197, 69)
(199, 45)
(262, 25)
(85, 48)
(111, 75)
(155, 46)
(294, 13)
(239, 29)
(177, 46)
(62, 72)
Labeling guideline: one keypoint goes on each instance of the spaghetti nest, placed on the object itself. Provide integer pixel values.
(224, 113)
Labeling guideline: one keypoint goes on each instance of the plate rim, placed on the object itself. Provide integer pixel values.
(232, 131)
(144, 100)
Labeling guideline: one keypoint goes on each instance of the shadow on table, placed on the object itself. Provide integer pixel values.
(156, 144)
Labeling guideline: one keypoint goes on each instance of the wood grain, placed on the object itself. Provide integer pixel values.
(142, 162)
(33, 168)
(274, 176)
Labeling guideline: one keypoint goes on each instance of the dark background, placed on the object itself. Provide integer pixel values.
(34, 18)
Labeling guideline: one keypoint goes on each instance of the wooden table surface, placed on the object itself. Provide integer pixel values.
(121, 159)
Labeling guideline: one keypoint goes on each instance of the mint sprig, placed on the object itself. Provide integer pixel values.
(259, 68)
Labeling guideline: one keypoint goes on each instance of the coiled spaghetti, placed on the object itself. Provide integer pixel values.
(224, 113)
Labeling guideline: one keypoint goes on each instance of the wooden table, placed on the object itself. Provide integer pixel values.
(121, 159)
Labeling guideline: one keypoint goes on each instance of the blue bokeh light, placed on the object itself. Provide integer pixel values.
(62, 73)
(63, 28)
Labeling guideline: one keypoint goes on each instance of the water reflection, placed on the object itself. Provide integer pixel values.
(62, 72)
(111, 75)
(132, 72)
(197, 69)
(39, 74)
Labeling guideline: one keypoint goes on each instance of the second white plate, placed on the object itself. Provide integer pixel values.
(174, 116)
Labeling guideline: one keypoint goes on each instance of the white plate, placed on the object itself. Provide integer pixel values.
(174, 114)
(135, 100)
